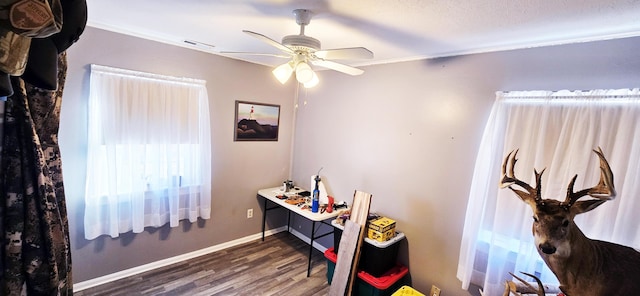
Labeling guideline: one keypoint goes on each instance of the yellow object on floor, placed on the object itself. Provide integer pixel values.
(407, 291)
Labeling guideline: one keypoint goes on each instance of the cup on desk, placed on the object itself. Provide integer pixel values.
(287, 185)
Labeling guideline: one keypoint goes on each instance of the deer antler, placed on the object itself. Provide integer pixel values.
(533, 194)
(605, 189)
(527, 288)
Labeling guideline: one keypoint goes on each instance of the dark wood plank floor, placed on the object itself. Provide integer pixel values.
(277, 266)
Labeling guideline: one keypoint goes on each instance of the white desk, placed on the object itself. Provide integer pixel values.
(270, 194)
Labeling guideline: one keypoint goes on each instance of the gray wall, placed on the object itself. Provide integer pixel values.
(407, 132)
(239, 168)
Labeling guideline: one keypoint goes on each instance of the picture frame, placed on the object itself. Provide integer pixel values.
(256, 121)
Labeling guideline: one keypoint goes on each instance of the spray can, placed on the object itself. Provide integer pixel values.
(330, 204)
(315, 202)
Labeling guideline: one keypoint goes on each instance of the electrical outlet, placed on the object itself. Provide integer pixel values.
(435, 291)
(249, 213)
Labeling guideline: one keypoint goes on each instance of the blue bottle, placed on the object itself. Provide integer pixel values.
(315, 202)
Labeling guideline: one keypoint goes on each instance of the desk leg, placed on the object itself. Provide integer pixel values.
(264, 217)
(313, 234)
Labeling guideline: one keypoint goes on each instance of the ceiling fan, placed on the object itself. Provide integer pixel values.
(302, 50)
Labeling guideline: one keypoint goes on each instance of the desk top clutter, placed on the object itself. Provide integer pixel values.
(298, 200)
(317, 201)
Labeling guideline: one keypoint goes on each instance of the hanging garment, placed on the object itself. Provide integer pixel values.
(35, 255)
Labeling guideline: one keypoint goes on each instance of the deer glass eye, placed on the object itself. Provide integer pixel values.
(565, 223)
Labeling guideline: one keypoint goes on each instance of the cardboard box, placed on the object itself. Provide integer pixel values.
(382, 229)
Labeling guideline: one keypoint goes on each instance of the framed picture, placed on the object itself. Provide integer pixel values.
(256, 121)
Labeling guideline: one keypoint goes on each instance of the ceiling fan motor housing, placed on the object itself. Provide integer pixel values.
(304, 50)
(301, 42)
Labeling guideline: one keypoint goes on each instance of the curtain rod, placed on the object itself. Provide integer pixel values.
(139, 74)
(575, 94)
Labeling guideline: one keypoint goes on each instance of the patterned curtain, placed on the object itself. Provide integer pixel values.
(35, 255)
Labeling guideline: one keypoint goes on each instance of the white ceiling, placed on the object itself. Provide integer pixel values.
(395, 30)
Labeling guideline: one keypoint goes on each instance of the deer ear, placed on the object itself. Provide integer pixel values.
(525, 196)
(585, 206)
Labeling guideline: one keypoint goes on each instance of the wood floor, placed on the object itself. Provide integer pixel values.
(277, 266)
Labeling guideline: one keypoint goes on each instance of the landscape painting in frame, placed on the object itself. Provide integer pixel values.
(256, 121)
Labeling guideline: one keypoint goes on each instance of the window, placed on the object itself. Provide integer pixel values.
(148, 152)
(556, 130)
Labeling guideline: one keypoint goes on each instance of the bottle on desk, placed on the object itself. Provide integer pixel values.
(315, 202)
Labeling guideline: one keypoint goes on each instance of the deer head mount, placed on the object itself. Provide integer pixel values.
(582, 266)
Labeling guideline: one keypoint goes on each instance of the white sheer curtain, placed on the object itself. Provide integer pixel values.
(149, 152)
(556, 130)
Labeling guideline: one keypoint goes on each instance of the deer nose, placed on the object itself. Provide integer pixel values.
(547, 248)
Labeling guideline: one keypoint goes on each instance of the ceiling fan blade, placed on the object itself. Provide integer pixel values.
(256, 53)
(345, 53)
(269, 41)
(338, 67)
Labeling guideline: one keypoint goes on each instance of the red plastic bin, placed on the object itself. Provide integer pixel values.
(331, 263)
(368, 285)
(385, 281)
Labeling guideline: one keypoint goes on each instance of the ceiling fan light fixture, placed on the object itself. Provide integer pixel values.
(304, 73)
(314, 81)
(283, 72)
(302, 50)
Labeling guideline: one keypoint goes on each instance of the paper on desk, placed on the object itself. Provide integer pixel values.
(289, 193)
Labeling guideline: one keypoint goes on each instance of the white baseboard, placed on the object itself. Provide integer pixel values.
(306, 239)
(161, 263)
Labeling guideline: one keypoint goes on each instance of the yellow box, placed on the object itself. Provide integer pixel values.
(382, 229)
(407, 291)
(382, 224)
(381, 236)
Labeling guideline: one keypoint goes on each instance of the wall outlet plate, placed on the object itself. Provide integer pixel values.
(435, 291)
